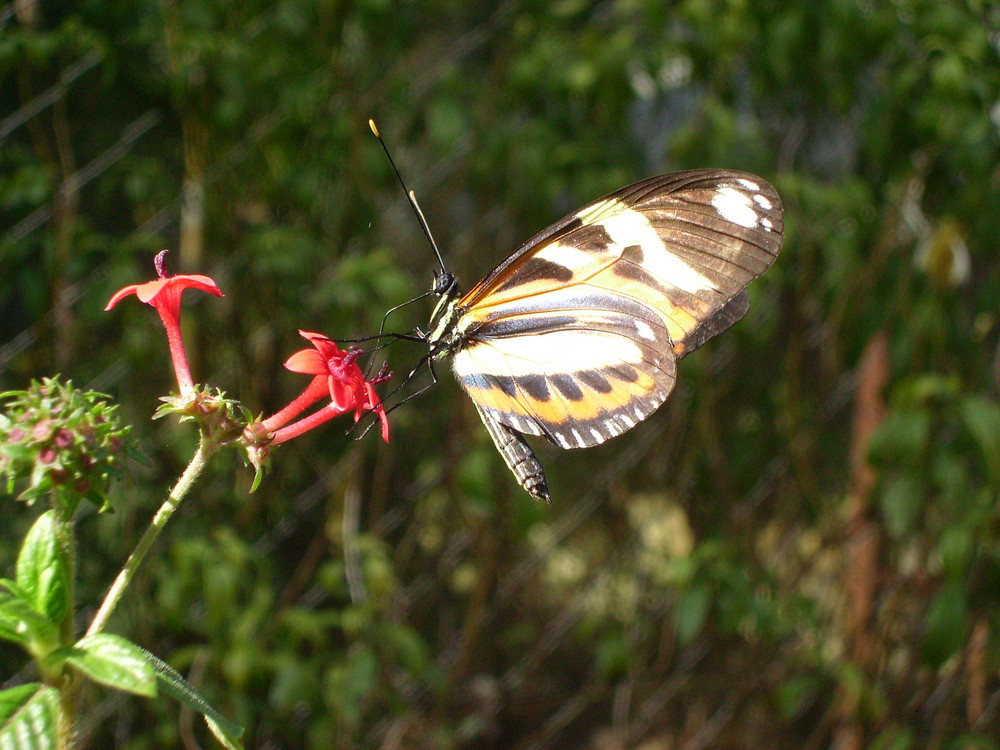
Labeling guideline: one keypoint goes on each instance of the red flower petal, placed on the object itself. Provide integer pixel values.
(376, 405)
(151, 290)
(308, 362)
(344, 381)
(120, 295)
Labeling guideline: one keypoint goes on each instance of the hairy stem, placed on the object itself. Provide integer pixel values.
(69, 689)
(159, 521)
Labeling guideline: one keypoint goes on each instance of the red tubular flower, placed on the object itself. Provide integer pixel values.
(337, 374)
(165, 295)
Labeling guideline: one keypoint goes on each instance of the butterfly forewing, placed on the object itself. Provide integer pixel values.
(701, 234)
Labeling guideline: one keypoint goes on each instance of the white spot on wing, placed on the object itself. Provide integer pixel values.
(519, 423)
(597, 434)
(735, 206)
(748, 184)
(628, 421)
(627, 227)
(577, 437)
(766, 223)
(762, 201)
(568, 257)
(644, 329)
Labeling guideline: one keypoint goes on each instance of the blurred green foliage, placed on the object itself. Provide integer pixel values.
(729, 574)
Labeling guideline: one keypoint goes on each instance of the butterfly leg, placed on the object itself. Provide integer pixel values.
(519, 457)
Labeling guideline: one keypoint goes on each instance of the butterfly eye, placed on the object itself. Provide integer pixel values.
(444, 282)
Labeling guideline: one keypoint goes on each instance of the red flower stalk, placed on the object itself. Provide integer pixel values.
(337, 374)
(165, 295)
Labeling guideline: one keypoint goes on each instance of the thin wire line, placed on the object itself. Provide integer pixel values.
(74, 182)
(52, 94)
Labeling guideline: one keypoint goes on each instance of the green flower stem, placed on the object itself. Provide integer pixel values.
(67, 548)
(69, 690)
(66, 719)
(159, 521)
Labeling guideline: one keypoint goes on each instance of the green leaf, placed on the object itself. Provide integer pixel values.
(173, 684)
(11, 588)
(982, 418)
(946, 622)
(902, 438)
(894, 737)
(972, 741)
(113, 661)
(612, 656)
(901, 499)
(22, 623)
(691, 612)
(955, 548)
(797, 693)
(28, 717)
(410, 648)
(257, 476)
(41, 570)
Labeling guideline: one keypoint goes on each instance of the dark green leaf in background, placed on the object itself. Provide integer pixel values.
(947, 620)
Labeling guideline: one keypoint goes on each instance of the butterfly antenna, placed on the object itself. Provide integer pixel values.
(409, 194)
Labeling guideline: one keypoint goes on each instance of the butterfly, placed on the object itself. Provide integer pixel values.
(576, 336)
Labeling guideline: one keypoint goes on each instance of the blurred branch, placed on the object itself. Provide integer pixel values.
(976, 671)
(861, 574)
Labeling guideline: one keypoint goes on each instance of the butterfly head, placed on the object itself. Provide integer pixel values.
(444, 284)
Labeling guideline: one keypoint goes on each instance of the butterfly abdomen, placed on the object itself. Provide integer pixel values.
(518, 456)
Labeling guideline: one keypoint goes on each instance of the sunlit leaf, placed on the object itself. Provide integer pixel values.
(112, 661)
(41, 571)
(28, 717)
(21, 623)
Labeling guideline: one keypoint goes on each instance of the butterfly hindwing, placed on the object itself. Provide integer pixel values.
(575, 335)
(577, 379)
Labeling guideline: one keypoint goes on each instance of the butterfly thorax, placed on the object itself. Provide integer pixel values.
(444, 335)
